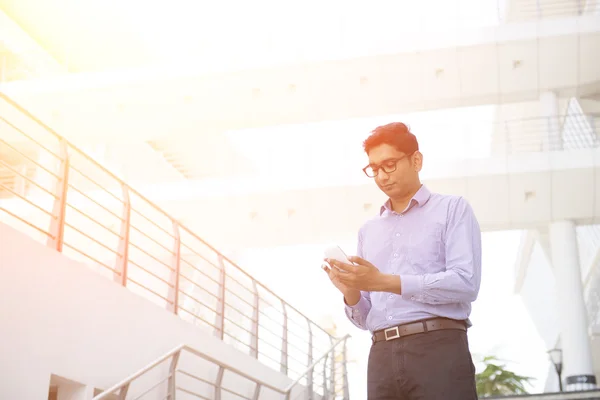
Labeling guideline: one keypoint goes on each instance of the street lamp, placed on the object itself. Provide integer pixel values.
(556, 358)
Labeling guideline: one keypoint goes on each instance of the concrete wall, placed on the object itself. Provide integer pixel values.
(60, 318)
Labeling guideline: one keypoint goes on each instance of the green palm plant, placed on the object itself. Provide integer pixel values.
(495, 379)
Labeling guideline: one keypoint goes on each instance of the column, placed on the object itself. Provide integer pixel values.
(552, 136)
(578, 371)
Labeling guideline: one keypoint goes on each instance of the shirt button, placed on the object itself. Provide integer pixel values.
(389, 317)
(397, 234)
(391, 296)
(412, 297)
(395, 254)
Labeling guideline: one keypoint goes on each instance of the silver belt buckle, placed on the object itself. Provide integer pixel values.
(396, 334)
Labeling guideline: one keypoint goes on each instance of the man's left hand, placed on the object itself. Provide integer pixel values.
(362, 275)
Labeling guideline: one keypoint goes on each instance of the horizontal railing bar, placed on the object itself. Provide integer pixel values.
(303, 351)
(131, 243)
(96, 202)
(232, 309)
(228, 291)
(27, 222)
(196, 377)
(269, 304)
(197, 300)
(263, 328)
(197, 316)
(231, 278)
(293, 333)
(154, 386)
(29, 137)
(7, 165)
(149, 290)
(312, 366)
(93, 239)
(201, 272)
(151, 238)
(231, 321)
(89, 178)
(93, 220)
(154, 223)
(226, 333)
(262, 354)
(200, 255)
(278, 323)
(26, 200)
(91, 258)
(235, 393)
(169, 284)
(192, 393)
(271, 345)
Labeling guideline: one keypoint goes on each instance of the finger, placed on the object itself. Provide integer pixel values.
(344, 267)
(346, 279)
(359, 261)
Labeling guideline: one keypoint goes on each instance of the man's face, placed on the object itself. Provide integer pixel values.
(402, 170)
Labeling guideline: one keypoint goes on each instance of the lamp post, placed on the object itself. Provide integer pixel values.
(556, 358)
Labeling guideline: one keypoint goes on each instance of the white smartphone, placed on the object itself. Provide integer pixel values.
(336, 253)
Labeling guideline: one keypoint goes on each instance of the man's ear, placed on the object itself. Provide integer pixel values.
(417, 161)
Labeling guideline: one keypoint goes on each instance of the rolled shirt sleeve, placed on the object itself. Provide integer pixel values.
(358, 313)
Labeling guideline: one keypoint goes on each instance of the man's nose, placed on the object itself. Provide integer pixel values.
(382, 175)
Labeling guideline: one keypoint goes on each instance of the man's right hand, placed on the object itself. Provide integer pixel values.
(351, 296)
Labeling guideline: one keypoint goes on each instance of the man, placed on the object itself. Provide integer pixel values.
(417, 271)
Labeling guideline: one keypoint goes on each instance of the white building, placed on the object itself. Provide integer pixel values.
(158, 101)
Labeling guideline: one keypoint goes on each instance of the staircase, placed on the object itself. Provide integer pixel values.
(47, 186)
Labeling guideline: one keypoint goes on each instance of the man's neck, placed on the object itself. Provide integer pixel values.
(400, 204)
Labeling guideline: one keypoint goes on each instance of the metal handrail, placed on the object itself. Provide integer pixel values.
(311, 368)
(122, 388)
(139, 267)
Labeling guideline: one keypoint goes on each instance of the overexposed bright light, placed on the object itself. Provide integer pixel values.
(332, 151)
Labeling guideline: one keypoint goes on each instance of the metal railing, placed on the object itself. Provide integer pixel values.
(66, 199)
(542, 9)
(587, 395)
(325, 378)
(571, 131)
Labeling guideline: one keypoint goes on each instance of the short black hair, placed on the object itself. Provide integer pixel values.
(395, 134)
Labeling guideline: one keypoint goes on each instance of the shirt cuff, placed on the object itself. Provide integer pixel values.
(360, 308)
(411, 286)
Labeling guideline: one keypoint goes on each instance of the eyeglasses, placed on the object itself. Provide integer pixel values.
(388, 166)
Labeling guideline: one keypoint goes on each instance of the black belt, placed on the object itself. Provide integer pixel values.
(413, 328)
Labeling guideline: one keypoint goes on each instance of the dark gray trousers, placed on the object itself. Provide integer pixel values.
(435, 365)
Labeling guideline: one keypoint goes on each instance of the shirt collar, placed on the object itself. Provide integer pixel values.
(420, 199)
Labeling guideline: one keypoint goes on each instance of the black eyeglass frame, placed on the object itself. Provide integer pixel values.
(393, 162)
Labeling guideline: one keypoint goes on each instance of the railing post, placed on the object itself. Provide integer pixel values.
(284, 340)
(325, 387)
(123, 391)
(120, 275)
(219, 382)
(172, 391)
(220, 317)
(175, 263)
(256, 394)
(309, 379)
(332, 376)
(345, 370)
(255, 323)
(57, 224)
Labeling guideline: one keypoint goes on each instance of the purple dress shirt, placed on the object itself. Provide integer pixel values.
(435, 247)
